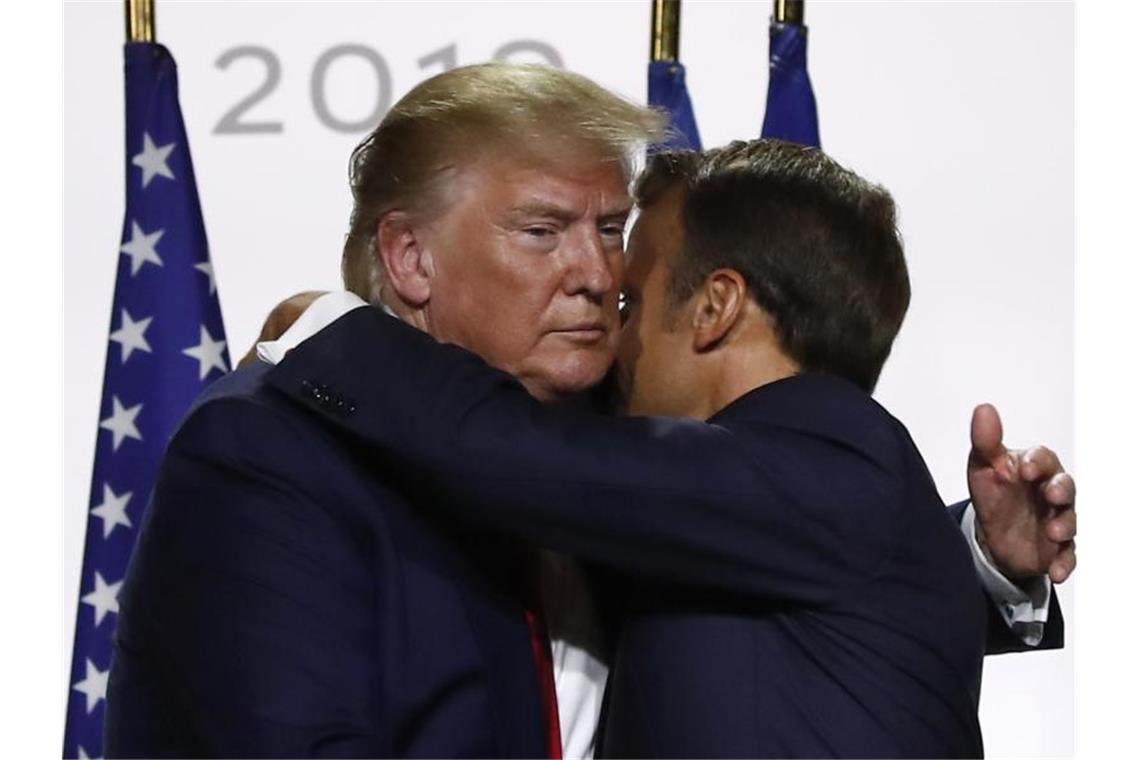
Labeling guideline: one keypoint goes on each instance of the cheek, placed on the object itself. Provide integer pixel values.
(511, 286)
(513, 306)
(528, 299)
(650, 355)
(629, 350)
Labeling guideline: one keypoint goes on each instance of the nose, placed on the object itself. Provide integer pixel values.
(591, 270)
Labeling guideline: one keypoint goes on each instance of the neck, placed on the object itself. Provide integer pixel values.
(416, 317)
(739, 380)
(752, 359)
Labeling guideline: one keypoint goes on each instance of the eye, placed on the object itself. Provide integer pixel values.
(538, 232)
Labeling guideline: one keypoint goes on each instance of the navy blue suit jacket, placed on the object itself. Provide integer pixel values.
(284, 601)
(800, 589)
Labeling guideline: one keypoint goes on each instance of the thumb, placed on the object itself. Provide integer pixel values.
(986, 449)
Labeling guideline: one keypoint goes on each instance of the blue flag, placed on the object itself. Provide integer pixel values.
(790, 113)
(667, 91)
(166, 343)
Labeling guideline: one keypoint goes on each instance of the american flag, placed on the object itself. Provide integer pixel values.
(166, 344)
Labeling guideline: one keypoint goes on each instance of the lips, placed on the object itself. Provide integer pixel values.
(584, 332)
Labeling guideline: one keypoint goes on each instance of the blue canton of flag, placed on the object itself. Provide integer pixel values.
(166, 343)
(668, 92)
(790, 113)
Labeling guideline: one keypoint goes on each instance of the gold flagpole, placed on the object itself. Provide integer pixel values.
(665, 31)
(140, 20)
(788, 12)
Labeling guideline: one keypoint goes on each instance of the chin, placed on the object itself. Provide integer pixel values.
(571, 375)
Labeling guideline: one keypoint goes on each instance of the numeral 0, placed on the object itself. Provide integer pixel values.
(446, 57)
(383, 89)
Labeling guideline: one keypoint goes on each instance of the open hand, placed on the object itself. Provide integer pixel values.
(1025, 503)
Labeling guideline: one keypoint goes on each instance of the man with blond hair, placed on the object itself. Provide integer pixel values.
(284, 599)
(287, 597)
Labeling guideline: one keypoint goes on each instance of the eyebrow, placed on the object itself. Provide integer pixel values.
(552, 211)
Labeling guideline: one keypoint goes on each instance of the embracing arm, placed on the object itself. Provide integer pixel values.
(1029, 519)
(236, 577)
(678, 500)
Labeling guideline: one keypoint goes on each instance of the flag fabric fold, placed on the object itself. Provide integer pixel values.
(790, 113)
(166, 342)
(667, 91)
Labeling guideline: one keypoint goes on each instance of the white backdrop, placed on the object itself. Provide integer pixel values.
(963, 110)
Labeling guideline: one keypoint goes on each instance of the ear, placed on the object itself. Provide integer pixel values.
(407, 264)
(719, 306)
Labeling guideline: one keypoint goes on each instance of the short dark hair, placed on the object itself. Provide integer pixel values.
(817, 244)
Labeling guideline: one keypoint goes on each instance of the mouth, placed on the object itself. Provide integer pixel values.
(585, 333)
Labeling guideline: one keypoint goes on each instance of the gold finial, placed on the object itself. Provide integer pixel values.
(665, 39)
(140, 20)
(788, 12)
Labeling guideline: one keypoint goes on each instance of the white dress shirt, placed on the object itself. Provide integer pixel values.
(576, 635)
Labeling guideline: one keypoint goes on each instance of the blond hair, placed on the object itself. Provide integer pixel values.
(453, 118)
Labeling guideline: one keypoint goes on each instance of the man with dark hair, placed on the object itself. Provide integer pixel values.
(817, 244)
(798, 588)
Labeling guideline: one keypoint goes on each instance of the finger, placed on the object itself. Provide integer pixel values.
(1063, 527)
(1059, 491)
(1039, 462)
(985, 440)
(1062, 567)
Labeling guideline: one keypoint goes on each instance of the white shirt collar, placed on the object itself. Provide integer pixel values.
(320, 314)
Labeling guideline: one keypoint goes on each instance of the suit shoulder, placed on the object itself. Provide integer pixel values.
(244, 442)
(242, 383)
(833, 420)
(240, 417)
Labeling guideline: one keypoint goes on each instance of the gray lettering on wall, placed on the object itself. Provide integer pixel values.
(236, 122)
(447, 57)
(231, 122)
(383, 88)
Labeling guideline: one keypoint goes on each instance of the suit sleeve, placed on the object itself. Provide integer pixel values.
(248, 600)
(676, 500)
(1000, 636)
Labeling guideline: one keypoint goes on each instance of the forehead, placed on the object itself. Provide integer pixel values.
(585, 177)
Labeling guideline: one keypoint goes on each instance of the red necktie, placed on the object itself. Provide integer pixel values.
(544, 663)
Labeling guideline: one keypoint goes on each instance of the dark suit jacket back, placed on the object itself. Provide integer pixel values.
(284, 601)
(877, 654)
